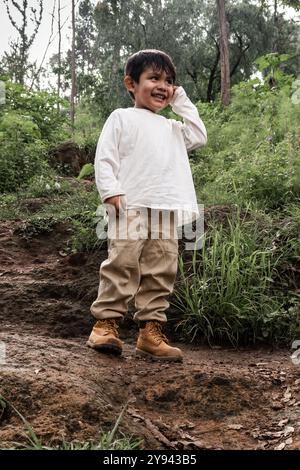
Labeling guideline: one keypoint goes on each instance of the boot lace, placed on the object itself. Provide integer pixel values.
(110, 325)
(156, 330)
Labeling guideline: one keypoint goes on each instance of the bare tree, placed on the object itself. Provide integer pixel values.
(276, 27)
(73, 68)
(59, 54)
(50, 40)
(25, 41)
(224, 54)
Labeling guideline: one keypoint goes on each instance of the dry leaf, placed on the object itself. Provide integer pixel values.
(280, 446)
(276, 405)
(235, 426)
(62, 253)
(288, 430)
(283, 422)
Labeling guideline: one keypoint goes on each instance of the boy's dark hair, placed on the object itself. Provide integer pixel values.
(159, 60)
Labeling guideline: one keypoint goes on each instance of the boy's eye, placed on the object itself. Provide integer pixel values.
(169, 80)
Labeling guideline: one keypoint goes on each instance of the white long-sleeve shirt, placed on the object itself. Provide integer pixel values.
(142, 156)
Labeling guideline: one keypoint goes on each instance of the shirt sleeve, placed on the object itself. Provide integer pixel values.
(193, 128)
(107, 159)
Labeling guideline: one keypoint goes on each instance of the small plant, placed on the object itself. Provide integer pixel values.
(2, 407)
(46, 185)
(84, 236)
(37, 225)
(107, 441)
(86, 170)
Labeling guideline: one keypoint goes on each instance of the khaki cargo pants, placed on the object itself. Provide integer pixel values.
(141, 264)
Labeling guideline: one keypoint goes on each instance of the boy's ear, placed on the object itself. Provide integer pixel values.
(129, 83)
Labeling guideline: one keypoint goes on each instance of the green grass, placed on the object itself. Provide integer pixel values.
(106, 441)
(231, 290)
(72, 204)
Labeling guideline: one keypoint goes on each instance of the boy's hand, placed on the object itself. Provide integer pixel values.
(174, 89)
(114, 201)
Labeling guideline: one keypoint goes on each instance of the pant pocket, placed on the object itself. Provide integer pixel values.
(124, 252)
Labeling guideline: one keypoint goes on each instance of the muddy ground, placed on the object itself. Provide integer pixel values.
(216, 399)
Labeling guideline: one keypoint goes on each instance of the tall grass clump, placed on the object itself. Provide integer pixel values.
(227, 291)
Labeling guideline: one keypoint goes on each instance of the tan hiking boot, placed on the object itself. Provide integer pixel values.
(153, 343)
(105, 337)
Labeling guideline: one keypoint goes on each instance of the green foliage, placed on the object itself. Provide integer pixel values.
(84, 233)
(86, 170)
(46, 185)
(22, 152)
(270, 64)
(70, 203)
(41, 108)
(228, 291)
(88, 123)
(253, 150)
(29, 124)
(189, 32)
(8, 206)
(37, 225)
(291, 3)
(104, 443)
(272, 61)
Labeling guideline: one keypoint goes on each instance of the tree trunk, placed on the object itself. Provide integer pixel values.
(224, 54)
(276, 27)
(212, 76)
(59, 56)
(73, 68)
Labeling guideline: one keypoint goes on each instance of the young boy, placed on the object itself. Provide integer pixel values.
(143, 175)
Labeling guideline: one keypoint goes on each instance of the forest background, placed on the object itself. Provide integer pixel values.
(244, 285)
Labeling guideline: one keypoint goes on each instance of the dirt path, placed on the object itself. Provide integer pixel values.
(216, 399)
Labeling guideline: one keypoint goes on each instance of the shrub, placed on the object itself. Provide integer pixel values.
(253, 151)
(41, 108)
(22, 153)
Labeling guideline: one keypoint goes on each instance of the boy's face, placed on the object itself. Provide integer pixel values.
(154, 90)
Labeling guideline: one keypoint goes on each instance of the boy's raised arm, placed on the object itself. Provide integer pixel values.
(107, 160)
(193, 128)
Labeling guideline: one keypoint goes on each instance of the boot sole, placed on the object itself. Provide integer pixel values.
(140, 353)
(106, 348)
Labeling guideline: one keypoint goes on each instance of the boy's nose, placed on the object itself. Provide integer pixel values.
(162, 86)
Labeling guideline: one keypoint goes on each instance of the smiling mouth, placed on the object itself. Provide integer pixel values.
(159, 97)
